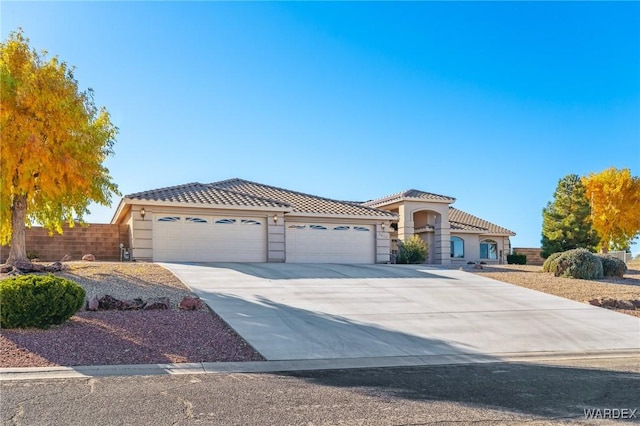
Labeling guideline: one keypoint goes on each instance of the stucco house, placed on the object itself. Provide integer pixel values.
(237, 220)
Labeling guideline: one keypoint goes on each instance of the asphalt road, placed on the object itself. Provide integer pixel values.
(557, 392)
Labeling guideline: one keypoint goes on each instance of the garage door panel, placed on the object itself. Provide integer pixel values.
(210, 239)
(329, 243)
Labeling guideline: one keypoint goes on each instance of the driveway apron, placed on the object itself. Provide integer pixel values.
(330, 311)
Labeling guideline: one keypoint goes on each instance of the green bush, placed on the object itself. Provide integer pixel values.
(517, 259)
(551, 263)
(412, 251)
(579, 263)
(38, 301)
(612, 266)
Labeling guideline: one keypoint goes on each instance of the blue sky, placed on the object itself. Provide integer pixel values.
(491, 103)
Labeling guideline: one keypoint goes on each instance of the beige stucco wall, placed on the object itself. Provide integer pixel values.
(383, 244)
(414, 215)
(472, 248)
(142, 229)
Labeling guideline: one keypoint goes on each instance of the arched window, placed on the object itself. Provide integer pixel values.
(457, 247)
(488, 250)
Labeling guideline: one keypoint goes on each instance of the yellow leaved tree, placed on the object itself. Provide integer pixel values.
(53, 142)
(615, 206)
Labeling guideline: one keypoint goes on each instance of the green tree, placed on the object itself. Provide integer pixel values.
(53, 143)
(566, 221)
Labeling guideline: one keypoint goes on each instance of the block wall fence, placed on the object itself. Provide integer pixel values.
(533, 255)
(101, 240)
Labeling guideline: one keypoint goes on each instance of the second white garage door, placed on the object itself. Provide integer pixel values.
(209, 239)
(329, 243)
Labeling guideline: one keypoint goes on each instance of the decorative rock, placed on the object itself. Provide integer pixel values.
(608, 303)
(93, 304)
(157, 303)
(595, 302)
(27, 266)
(54, 267)
(636, 303)
(132, 305)
(5, 269)
(191, 303)
(66, 258)
(89, 258)
(109, 302)
(623, 304)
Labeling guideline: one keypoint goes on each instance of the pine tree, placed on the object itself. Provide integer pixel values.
(566, 221)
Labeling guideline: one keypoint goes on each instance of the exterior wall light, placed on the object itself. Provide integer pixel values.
(143, 213)
(382, 225)
(275, 219)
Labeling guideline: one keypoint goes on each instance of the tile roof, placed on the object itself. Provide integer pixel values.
(300, 202)
(199, 193)
(460, 220)
(411, 194)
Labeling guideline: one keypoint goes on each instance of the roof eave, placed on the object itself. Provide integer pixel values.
(383, 202)
(121, 210)
(389, 217)
(204, 206)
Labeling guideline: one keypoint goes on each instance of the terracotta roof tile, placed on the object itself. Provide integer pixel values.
(412, 194)
(460, 220)
(204, 194)
(301, 202)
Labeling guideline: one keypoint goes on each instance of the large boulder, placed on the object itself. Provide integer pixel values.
(157, 303)
(27, 266)
(191, 304)
(625, 304)
(93, 304)
(89, 258)
(133, 304)
(66, 258)
(54, 267)
(107, 302)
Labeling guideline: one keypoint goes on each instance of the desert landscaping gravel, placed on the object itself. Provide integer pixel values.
(531, 276)
(126, 337)
(173, 336)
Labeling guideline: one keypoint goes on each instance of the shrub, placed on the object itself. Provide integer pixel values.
(551, 263)
(517, 259)
(38, 301)
(612, 266)
(579, 263)
(412, 251)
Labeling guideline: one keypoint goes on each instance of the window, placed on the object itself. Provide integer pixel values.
(196, 220)
(250, 222)
(488, 250)
(361, 228)
(457, 247)
(341, 228)
(169, 219)
(297, 226)
(318, 227)
(225, 221)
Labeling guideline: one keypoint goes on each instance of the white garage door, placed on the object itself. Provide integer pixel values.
(209, 239)
(329, 243)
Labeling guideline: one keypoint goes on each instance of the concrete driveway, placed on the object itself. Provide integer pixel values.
(329, 311)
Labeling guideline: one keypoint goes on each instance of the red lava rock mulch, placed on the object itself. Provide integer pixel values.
(126, 337)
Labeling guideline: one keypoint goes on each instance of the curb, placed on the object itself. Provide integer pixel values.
(40, 373)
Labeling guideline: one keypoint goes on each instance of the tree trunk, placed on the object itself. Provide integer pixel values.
(18, 250)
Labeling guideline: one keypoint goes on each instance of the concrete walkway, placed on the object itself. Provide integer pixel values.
(324, 312)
